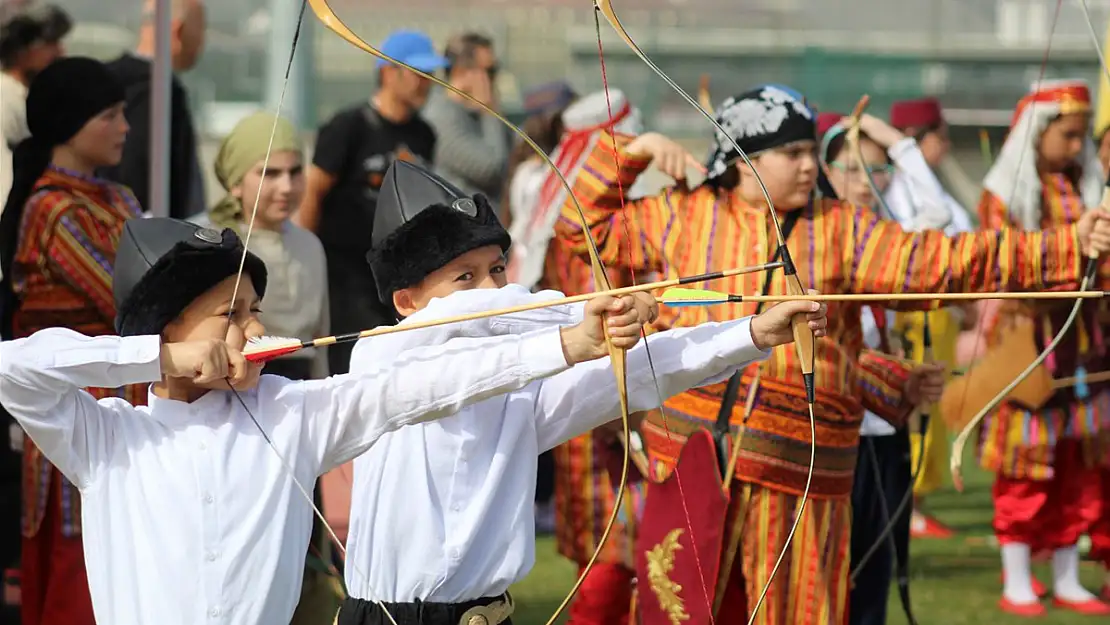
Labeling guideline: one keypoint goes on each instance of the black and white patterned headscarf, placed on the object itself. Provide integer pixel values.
(764, 118)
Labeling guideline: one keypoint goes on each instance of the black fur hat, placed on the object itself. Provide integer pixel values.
(421, 223)
(163, 264)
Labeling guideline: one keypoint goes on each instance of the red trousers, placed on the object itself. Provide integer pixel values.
(55, 588)
(1100, 531)
(604, 598)
(1052, 514)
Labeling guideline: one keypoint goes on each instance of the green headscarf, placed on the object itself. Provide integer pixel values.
(240, 151)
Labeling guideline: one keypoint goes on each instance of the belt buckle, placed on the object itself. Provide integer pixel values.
(492, 614)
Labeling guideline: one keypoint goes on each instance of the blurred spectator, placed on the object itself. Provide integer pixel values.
(296, 294)
(58, 238)
(924, 120)
(353, 151)
(30, 39)
(135, 72)
(544, 106)
(471, 147)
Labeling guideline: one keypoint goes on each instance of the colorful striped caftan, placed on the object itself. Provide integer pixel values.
(837, 248)
(584, 485)
(1021, 446)
(62, 275)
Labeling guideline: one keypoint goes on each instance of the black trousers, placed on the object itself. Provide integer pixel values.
(545, 477)
(363, 612)
(882, 480)
(11, 505)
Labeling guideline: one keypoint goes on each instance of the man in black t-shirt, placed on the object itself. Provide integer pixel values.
(353, 151)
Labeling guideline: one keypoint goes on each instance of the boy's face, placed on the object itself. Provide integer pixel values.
(207, 318)
(482, 268)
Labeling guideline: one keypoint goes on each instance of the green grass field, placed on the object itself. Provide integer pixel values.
(955, 582)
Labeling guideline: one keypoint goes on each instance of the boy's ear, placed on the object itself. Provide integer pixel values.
(404, 302)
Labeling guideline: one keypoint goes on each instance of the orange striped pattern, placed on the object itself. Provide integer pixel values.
(811, 586)
(838, 248)
(584, 492)
(881, 380)
(1021, 443)
(63, 275)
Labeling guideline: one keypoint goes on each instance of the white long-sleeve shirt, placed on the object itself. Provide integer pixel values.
(916, 197)
(188, 514)
(443, 512)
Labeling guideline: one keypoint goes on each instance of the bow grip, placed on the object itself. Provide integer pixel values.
(804, 341)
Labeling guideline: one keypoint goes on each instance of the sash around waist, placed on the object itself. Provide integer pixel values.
(775, 450)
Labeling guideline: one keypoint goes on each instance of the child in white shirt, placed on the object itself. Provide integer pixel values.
(441, 514)
(189, 506)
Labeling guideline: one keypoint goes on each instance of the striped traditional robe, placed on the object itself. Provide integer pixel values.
(63, 278)
(837, 248)
(1020, 443)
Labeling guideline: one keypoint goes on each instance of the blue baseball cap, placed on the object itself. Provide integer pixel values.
(412, 48)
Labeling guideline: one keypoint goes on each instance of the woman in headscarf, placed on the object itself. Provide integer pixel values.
(837, 248)
(296, 293)
(58, 237)
(1046, 489)
(296, 290)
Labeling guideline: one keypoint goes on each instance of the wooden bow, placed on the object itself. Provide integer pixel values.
(803, 337)
(601, 281)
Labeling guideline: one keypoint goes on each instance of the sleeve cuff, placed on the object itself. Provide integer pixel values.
(748, 350)
(142, 355)
(542, 352)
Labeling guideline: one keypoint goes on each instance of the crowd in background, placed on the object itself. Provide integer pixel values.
(76, 161)
(74, 166)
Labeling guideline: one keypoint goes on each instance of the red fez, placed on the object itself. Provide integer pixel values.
(826, 121)
(915, 113)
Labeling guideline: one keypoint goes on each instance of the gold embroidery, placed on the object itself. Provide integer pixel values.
(660, 561)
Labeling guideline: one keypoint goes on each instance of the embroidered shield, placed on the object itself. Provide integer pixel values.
(672, 587)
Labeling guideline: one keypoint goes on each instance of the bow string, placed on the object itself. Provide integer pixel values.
(803, 337)
(920, 414)
(618, 356)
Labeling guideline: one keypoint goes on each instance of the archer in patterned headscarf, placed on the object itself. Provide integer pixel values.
(837, 248)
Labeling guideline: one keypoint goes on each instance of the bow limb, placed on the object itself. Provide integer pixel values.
(1089, 276)
(803, 337)
(327, 16)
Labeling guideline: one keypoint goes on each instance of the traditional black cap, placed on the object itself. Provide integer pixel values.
(163, 264)
(421, 223)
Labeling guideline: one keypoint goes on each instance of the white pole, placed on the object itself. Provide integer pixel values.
(160, 118)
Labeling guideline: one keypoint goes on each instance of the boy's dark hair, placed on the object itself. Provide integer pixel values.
(421, 223)
(21, 25)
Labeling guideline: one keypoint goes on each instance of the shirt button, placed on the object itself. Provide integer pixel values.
(214, 612)
(203, 447)
(211, 555)
(208, 498)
